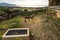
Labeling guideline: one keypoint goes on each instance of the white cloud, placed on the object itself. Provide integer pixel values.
(27, 3)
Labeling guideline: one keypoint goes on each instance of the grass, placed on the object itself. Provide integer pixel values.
(18, 38)
(50, 28)
(10, 23)
(6, 23)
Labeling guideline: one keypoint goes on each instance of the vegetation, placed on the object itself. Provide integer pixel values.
(18, 38)
(14, 18)
(10, 23)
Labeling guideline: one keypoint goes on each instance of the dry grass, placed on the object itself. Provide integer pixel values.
(44, 26)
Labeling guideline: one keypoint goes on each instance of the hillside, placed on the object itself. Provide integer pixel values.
(44, 26)
(8, 5)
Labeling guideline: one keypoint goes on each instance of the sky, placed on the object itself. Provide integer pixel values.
(27, 3)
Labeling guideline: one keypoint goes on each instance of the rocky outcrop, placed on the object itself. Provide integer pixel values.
(54, 2)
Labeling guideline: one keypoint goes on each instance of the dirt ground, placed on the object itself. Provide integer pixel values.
(42, 28)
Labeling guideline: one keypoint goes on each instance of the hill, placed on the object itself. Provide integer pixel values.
(8, 5)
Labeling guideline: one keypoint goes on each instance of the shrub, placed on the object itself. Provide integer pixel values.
(17, 10)
(2, 13)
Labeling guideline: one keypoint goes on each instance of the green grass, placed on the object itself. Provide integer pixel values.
(6, 23)
(10, 23)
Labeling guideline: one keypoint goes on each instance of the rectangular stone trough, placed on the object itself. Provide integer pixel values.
(16, 34)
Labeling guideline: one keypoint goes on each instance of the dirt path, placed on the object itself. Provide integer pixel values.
(35, 26)
(42, 30)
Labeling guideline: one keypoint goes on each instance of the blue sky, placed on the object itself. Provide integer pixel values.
(27, 2)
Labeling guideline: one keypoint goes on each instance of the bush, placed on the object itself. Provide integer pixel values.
(17, 10)
(2, 13)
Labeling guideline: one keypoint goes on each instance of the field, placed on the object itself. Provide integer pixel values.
(44, 25)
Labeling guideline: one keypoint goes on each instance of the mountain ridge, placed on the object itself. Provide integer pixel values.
(8, 5)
